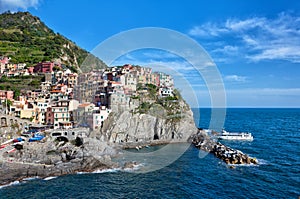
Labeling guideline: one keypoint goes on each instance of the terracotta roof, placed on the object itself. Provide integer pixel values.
(56, 91)
(85, 105)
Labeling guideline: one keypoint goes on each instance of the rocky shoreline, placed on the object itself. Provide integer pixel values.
(50, 159)
(230, 156)
(55, 159)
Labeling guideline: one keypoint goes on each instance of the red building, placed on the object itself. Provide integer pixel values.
(44, 67)
(49, 116)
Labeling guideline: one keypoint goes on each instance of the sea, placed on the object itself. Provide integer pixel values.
(182, 171)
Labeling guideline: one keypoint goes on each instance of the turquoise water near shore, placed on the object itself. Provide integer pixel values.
(276, 145)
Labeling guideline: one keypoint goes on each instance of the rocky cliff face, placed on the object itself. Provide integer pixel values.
(126, 126)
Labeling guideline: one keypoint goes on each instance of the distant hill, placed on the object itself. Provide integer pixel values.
(26, 39)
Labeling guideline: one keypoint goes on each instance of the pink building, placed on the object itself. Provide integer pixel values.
(6, 95)
(30, 70)
(155, 79)
(4, 60)
(44, 67)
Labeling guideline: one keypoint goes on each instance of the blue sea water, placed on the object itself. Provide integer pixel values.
(276, 145)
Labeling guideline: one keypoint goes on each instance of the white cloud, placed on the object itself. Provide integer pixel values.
(290, 53)
(258, 38)
(159, 55)
(249, 40)
(208, 29)
(235, 78)
(241, 25)
(228, 50)
(15, 5)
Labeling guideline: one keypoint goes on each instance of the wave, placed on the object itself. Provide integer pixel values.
(136, 167)
(31, 178)
(107, 170)
(243, 165)
(101, 171)
(262, 162)
(114, 170)
(10, 184)
(50, 178)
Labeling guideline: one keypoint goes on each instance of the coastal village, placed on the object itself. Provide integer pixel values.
(66, 99)
(73, 121)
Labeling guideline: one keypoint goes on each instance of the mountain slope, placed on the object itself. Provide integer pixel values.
(26, 39)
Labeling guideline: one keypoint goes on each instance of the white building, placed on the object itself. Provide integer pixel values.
(166, 80)
(166, 92)
(98, 117)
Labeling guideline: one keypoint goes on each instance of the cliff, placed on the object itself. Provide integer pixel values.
(158, 124)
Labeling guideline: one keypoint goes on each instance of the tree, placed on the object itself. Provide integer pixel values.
(35, 83)
(17, 93)
(56, 68)
(7, 103)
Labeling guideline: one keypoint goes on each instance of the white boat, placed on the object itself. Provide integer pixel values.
(235, 136)
(7, 142)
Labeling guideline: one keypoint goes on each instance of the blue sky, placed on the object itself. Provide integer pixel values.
(255, 44)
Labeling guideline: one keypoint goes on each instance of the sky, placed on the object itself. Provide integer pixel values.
(254, 44)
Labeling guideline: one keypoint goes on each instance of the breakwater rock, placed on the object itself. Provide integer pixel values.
(202, 141)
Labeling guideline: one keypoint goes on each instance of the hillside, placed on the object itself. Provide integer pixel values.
(26, 39)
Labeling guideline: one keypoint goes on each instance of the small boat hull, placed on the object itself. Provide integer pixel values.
(235, 136)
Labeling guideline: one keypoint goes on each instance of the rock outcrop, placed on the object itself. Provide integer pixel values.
(230, 156)
(127, 127)
(55, 158)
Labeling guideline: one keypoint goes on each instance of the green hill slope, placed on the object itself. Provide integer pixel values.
(26, 39)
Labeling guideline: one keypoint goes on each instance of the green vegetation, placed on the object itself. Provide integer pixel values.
(135, 97)
(170, 107)
(26, 39)
(7, 103)
(144, 107)
(16, 84)
(151, 89)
